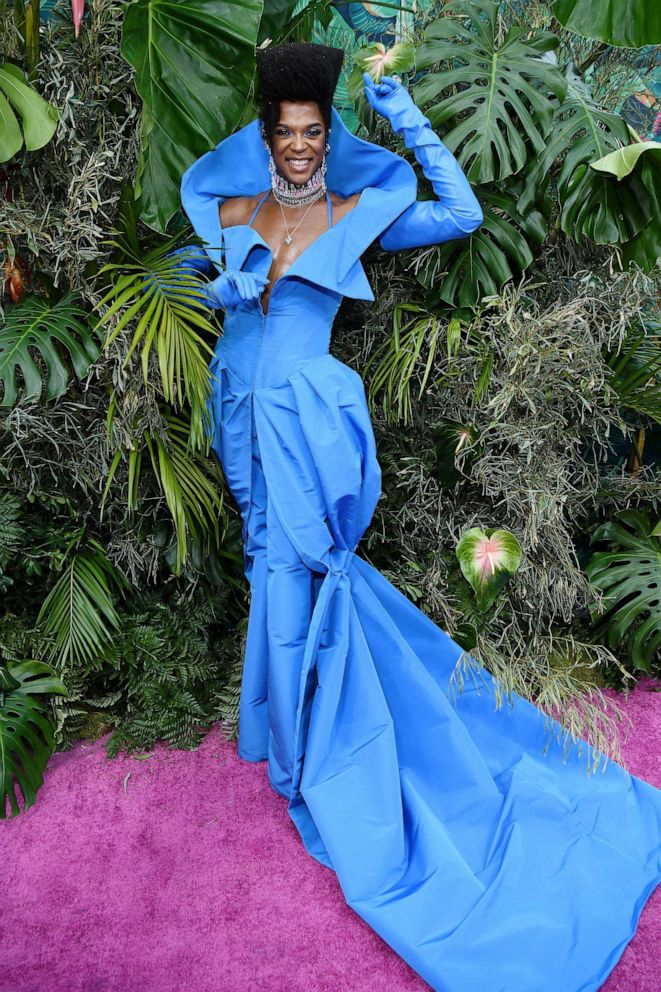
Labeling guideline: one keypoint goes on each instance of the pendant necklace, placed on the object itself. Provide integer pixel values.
(290, 234)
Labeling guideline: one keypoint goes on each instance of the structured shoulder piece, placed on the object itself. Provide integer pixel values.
(238, 166)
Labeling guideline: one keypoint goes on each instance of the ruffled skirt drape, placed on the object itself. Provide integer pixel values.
(456, 829)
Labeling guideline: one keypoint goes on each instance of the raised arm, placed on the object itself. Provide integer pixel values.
(456, 212)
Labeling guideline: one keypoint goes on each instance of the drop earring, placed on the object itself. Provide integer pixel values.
(324, 165)
(271, 159)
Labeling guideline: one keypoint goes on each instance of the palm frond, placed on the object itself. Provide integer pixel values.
(194, 500)
(79, 611)
(162, 306)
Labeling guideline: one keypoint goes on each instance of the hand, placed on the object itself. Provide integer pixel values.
(229, 289)
(387, 95)
(393, 101)
(232, 287)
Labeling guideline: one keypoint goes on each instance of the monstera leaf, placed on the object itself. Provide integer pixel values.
(592, 204)
(39, 118)
(194, 64)
(26, 730)
(48, 328)
(498, 251)
(498, 100)
(629, 576)
(628, 25)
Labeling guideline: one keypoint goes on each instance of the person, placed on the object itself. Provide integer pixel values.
(478, 851)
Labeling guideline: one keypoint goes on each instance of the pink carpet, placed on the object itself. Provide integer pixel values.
(182, 872)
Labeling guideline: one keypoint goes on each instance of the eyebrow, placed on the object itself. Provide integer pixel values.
(314, 124)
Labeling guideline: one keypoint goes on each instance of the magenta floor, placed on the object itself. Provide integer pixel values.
(182, 872)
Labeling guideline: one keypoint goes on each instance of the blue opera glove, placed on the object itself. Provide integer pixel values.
(232, 287)
(456, 213)
(387, 97)
(227, 290)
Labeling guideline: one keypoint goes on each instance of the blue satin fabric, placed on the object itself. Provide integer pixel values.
(484, 857)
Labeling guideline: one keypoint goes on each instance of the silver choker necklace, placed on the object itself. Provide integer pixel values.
(299, 194)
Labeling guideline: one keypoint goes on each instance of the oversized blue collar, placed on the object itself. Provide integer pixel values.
(238, 166)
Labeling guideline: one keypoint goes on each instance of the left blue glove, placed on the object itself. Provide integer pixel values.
(456, 212)
(393, 101)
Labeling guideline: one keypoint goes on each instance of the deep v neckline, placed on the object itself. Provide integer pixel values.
(260, 240)
(330, 227)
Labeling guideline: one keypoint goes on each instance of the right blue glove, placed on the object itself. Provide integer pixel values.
(232, 287)
(229, 289)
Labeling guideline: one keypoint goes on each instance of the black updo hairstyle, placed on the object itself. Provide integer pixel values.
(296, 71)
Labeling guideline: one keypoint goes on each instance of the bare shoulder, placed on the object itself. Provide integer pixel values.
(238, 209)
(342, 205)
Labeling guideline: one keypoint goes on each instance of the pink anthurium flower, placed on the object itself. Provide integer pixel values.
(399, 58)
(488, 560)
(77, 9)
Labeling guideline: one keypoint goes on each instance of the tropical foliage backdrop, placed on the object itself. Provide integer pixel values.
(514, 377)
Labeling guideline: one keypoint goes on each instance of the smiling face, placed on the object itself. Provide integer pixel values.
(299, 138)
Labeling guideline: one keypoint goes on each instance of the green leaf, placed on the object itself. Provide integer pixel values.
(275, 19)
(488, 559)
(194, 64)
(636, 371)
(463, 271)
(408, 354)
(645, 247)
(39, 119)
(629, 576)
(26, 731)
(194, 501)
(11, 532)
(11, 139)
(456, 448)
(628, 24)
(623, 161)
(161, 304)
(592, 205)
(35, 324)
(498, 91)
(79, 611)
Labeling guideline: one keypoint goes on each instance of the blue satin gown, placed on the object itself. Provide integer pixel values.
(486, 860)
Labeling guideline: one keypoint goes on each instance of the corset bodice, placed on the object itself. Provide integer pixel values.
(264, 349)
